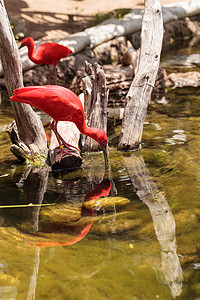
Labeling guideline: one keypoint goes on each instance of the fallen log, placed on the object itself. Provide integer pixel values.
(113, 28)
(71, 71)
(175, 80)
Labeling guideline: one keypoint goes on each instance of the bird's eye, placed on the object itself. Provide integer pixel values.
(104, 142)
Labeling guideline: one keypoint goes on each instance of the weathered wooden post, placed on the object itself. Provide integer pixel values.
(29, 136)
(96, 99)
(141, 88)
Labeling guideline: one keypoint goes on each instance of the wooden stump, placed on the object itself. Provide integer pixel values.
(96, 99)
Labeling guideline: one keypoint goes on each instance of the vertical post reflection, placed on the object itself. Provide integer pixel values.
(163, 220)
(34, 189)
(33, 280)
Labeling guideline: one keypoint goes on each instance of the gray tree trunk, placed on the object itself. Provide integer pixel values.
(30, 132)
(141, 88)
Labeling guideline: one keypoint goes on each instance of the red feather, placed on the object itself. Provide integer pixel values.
(45, 54)
(62, 105)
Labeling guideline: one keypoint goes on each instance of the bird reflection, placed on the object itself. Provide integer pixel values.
(77, 230)
(71, 221)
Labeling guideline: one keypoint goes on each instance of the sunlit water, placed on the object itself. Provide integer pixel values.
(130, 233)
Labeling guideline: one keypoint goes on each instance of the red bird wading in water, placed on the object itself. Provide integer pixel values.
(45, 54)
(62, 105)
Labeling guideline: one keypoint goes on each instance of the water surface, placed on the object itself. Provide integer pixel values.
(131, 233)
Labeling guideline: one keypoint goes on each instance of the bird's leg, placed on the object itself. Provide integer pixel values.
(69, 149)
(49, 81)
(55, 74)
(53, 126)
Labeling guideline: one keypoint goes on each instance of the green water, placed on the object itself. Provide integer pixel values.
(139, 241)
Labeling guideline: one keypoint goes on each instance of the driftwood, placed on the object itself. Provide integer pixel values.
(184, 79)
(141, 88)
(113, 28)
(96, 99)
(18, 148)
(71, 71)
(119, 79)
(30, 131)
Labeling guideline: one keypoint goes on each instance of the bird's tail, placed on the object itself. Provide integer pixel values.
(18, 95)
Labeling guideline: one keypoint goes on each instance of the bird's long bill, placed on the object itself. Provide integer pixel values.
(20, 46)
(105, 153)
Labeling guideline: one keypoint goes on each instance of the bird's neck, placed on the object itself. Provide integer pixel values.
(89, 131)
(31, 52)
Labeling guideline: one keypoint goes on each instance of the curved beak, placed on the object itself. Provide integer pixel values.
(105, 153)
(21, 45)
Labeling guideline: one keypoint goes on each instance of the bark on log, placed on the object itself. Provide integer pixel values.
(30, 129)
(96, 99)
(141, 88)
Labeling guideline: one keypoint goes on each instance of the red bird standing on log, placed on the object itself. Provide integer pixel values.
(62, 105)
(45, 54)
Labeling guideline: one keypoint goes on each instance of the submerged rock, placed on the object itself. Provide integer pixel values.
(184, 79)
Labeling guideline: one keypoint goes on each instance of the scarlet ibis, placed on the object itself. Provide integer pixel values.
(45, 54)
(62, 105)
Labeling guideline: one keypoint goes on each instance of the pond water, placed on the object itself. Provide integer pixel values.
(129, 233)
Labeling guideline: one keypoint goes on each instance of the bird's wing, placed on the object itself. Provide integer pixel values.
(51, 53)
(26, 94)
(58, 102)
(34, 95)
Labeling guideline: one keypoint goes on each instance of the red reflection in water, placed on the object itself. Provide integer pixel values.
(101, 190)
